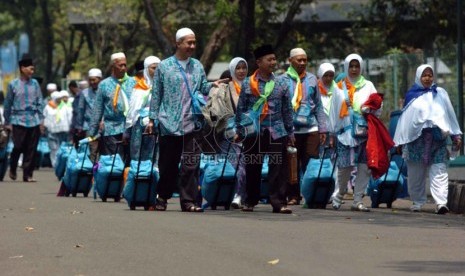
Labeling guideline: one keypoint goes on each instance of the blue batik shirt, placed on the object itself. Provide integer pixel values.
(279, 117)
(171, 103)
(311, 102)
(85, 108)
(113, 117)
(24, 103)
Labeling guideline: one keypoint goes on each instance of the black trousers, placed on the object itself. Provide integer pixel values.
(255, 149)
(109, 144)
(25, 140)
(307, 146)
(174, 150)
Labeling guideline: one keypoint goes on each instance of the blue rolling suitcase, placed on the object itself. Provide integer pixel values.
(141, 183)
(61, 159)
(78, 173)
(219, 182)
(4, 161)
(108, 176)
(317, 185)
(388, 187)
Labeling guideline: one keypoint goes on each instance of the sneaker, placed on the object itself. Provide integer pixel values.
(337, 202)
(236, 203)
(415, 208)
(442, 209)
(359, 207)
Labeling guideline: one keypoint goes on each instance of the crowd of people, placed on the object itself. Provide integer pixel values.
(271, 112)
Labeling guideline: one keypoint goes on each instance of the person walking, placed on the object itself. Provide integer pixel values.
(23, 116)
(175, 112)
(346, 114)
(85, 109)
(427, 120)
(112, 104)
(269, 98)
(139, 106)
(308, 116)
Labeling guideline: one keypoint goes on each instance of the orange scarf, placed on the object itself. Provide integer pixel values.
(350, 91)
(256, 93)
(237, 86)
(52, 104)
(322, 88)
(140, 83)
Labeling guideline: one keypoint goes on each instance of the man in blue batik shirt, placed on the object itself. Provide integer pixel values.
(23, 116)
(178, 84)
(112, 104)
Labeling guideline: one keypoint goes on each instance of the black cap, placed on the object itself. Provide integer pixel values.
(25, 61)
(139, 66)
(263, 50)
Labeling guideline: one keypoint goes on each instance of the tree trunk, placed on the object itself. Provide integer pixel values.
(48, 35)
(215, 43)
(246, 32)
(286, 26)
(155, 27)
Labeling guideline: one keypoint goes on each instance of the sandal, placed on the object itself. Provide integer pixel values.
(360, 207)
(29, 179)
(293, 202)
(283, 210)
(247, 208)
(193, 209)
(160, 205)
(13, 175)
(337, 202)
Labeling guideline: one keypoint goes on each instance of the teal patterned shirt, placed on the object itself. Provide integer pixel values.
(113, 118)
(24, 104)
(171, 104)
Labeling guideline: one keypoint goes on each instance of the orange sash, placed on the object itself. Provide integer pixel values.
(350, 91)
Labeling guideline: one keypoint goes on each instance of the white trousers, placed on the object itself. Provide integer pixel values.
(361, 181)
(438, 178)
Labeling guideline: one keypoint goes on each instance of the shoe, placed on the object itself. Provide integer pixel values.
(13, 175)
(337, 202)
(293, 202)
(236, 203)
(193, 209)
(29, 179)
(283, 210)
(247, 208)
(415, 208)
(442, 209)
(359, 207)
(160, 205)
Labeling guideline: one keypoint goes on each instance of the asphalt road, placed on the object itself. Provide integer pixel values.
(41, 234)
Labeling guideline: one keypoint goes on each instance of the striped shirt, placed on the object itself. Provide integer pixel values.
(24, 103)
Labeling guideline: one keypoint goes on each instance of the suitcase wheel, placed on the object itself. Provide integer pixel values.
(104, 199)
(117, 199)
(86, 194)
(146, 207)
(227, 207)
(389, 205)
(213, 207)
(132, 207)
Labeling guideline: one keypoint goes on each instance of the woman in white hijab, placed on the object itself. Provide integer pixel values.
(137, 117)
(427, 120)
(346, 105)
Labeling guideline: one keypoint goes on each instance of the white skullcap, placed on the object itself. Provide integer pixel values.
(51, 86)
(83, 84)
(151, 60)
(325, 67)
(182, 33)
(297, 52)
(117, 56)
(95, 72)
(63, 93)
(55, 95)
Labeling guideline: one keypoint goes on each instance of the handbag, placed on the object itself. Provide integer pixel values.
(249, 123)
(302, 116)
(359, 124)
(4, 137)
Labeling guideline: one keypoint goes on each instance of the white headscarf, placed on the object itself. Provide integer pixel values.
(325, 67)
(347, 61)
(147, 62)
(420, 70)
(232, 67)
